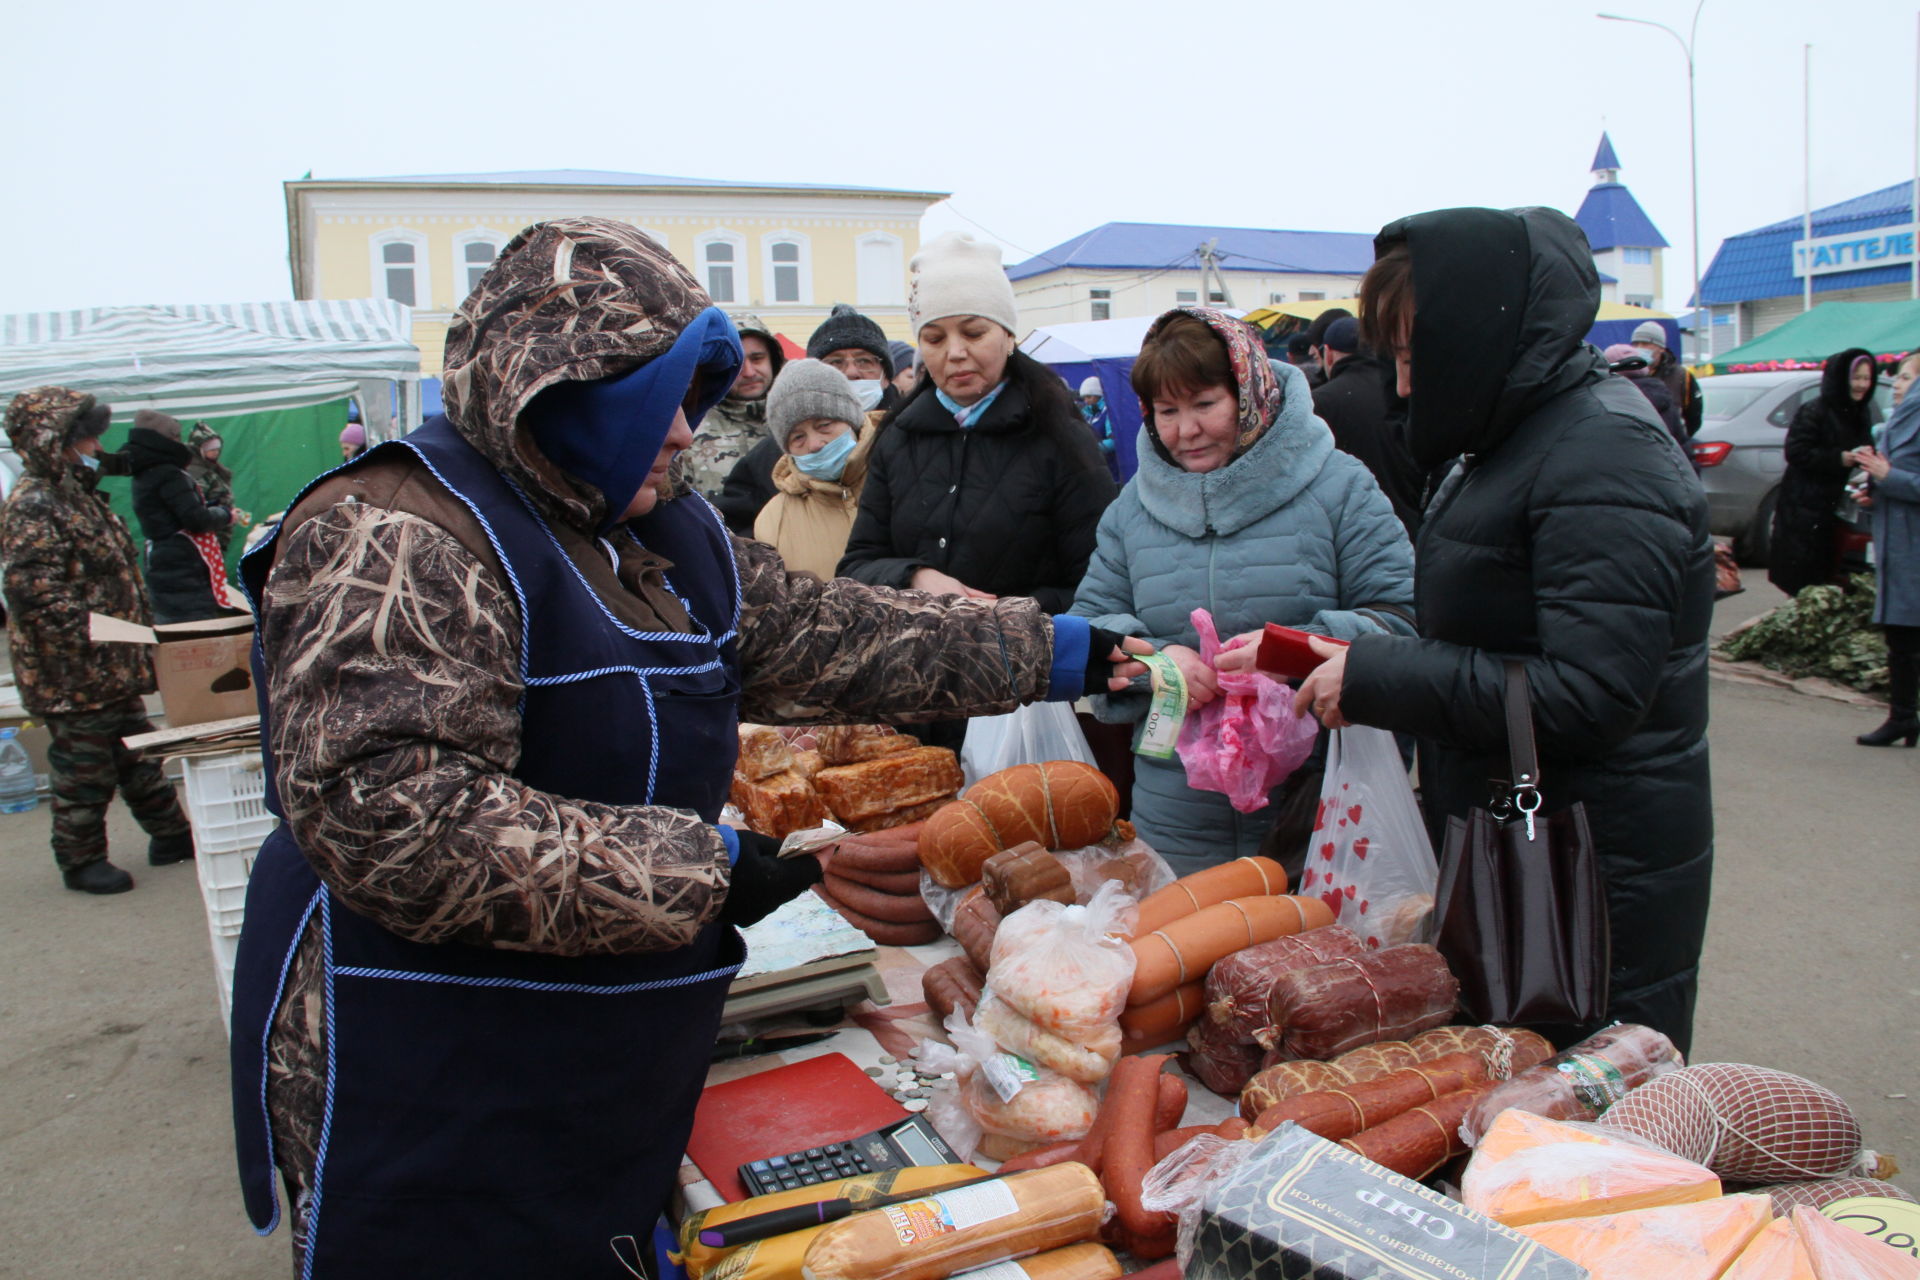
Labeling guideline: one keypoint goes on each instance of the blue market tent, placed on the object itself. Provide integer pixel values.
(1104, 349)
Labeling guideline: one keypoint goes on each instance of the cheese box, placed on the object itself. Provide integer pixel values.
(1303, 1208)
(204, 669)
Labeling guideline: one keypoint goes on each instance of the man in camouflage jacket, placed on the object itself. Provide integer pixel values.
(739, 422)
(67, 555)
(391, 637)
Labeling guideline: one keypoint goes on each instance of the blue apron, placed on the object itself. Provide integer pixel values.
(490, 1112)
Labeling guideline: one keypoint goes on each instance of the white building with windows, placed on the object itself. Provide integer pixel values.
(786, 252)
(1627, 247)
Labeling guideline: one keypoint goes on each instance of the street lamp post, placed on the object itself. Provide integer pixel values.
(1693, 145)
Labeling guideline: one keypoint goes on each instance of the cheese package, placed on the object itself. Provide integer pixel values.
(1302, 1206)
(897, 780)
(763, 752)
(1673, 1242)
(778, 1257)
(1013, 1217)
(777, 805)
(1775, 1254)
(1528, 1168)
(1841, 1253)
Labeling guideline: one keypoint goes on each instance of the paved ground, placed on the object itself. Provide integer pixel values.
(115, 1151)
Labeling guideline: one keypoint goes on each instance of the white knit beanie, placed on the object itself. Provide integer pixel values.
(956, 275)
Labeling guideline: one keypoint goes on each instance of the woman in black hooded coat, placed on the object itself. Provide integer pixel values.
(169, 507)
(1837, 421)
(1573, 538)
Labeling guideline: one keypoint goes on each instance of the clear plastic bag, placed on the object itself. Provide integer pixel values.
(1065, 968)
(1135, 865)
(1246, 741)
(1369, 858)
(1033, 734)
(998, 1092)
(1178, 1184)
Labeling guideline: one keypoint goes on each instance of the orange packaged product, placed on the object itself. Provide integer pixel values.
(1841, 1253)
(1528, 1168)
(1775, 1254)
(1673, 1242)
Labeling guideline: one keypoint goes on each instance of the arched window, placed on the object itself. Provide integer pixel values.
(881, 275)
(400, 268)
(722, 260)
(473, 252)
(788, 268)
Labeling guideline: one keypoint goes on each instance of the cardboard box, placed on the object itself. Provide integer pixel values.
(1304, 1207)
(204, 668)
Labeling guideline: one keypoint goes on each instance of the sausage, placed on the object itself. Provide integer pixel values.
(890, 907)
(895, 882)
(1241, 878)
(1169, 1141)
(1075, 1262)
(1133, 1096)
(886, 933)
(975, 924)
(1346, 1110)
(1044, 1157)
(1183, 951)
(1415, 1143)
(1171, 1102)
(1168, 1270)
(884, 851)
(952, 984)
(1164, 1020)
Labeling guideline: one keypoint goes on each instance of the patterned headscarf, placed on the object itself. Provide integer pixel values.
(1255, 386)
(569, 300)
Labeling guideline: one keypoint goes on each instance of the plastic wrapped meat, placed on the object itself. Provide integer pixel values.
(1240, 986)
(1326, 1010)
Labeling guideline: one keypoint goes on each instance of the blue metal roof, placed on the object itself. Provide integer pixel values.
(1759, 263)
(1612, 218)
(1604, 158)
(1147, 246)
(605, 178)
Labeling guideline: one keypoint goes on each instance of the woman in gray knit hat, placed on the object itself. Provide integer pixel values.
(814, 415)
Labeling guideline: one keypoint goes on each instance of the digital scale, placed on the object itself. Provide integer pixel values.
(908, 1143)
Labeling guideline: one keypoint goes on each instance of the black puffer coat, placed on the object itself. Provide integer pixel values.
(1008, 506)
(1802, 553)
(1575, 538)
(168, 506)
(1356, 402)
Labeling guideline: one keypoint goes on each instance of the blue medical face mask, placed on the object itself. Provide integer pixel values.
(90, 462)
(868, 392)
(830, 460)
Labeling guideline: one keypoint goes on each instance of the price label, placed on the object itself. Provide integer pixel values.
(1894, 1223)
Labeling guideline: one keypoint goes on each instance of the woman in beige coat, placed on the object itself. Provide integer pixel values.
(811, 411)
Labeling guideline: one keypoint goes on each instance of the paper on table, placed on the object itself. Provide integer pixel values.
(801, 932)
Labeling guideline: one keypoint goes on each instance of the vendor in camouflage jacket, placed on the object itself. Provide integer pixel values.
(68, 555)
(407, 740)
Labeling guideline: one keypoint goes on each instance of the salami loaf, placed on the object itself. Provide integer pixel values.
(1239, 987)
(1323, 1011)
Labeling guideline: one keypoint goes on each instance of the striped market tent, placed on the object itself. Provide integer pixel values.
(274, 379)
(198, 362)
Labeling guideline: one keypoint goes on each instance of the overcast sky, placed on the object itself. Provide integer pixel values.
(145, 143)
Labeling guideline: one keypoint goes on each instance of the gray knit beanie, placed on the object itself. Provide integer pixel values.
(809, 389)
(1650, 331)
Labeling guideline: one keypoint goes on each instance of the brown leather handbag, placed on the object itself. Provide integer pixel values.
(1522, 907)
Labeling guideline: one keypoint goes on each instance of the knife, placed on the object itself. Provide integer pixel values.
(794, 1217)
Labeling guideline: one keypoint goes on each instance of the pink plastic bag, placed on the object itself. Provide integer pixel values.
(1247, 740)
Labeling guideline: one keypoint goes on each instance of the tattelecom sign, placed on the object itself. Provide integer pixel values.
(1889, 247)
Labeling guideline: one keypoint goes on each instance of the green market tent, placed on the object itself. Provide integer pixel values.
(1887, 329)
(273, 378)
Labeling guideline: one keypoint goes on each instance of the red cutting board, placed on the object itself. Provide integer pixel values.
(788, 1109)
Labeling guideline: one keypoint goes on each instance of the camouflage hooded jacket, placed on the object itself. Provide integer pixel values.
(392, 641)
(67, 555)
(215, 481)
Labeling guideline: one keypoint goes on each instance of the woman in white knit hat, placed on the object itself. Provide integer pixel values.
(985, 482)
(816, 418)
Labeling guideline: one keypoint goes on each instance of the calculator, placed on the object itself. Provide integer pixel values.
(911, 1142)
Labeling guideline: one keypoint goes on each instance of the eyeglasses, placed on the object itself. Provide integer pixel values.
(852, 362)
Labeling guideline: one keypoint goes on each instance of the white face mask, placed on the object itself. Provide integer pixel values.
(868, 392)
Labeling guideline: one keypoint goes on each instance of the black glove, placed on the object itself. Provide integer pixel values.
(762, 880)
(1099, 665)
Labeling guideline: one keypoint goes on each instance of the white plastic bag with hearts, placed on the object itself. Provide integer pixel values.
(1369, 858)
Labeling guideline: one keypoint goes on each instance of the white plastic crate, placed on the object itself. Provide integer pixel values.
(226, 948)
(227, 802)
(223, 887)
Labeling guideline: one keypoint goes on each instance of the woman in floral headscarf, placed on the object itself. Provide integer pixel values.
(1241, 506)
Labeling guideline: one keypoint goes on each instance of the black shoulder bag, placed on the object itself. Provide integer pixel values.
(1522, 908)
